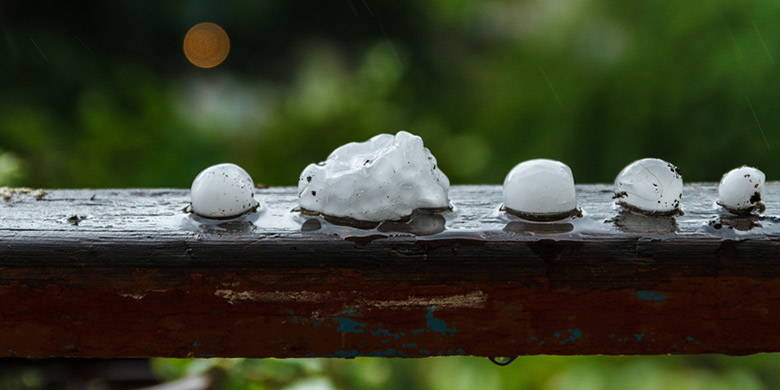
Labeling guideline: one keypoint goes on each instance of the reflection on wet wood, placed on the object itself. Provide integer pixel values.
(126, 273)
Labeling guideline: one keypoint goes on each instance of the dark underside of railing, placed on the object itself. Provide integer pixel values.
(126, 273)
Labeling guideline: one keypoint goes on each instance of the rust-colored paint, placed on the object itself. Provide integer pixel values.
(85, 313)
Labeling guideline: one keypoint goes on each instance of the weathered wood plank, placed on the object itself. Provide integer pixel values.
(126, 273)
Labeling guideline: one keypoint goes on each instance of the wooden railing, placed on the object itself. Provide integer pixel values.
(127, 273)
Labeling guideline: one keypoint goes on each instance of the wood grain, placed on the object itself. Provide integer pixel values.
(127, 273)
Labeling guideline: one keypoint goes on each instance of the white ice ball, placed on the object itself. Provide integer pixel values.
(540, 189)
(384, 178)
(650, 185)
(741, 190)
(222, 191)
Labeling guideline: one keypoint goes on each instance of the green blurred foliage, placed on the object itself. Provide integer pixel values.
(709, 372)
(98, 94)
(106, 98)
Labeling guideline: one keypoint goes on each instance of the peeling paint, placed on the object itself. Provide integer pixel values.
(353, 353)
(302, 320)
(385, 332)
(348, 325)
(271, 296)
(692, 340)
(574, 335)
(649, 296)
(475, 299)
(133, 296)
(437, 325)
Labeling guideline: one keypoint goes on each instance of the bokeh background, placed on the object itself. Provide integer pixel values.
(99, 94)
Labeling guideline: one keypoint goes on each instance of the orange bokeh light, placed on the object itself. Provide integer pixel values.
(206, 45)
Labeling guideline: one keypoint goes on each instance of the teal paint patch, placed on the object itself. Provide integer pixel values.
(409, 345)
(353, 353)
(639, 336)
(450, 351)
(385, 332)
(338, 354)
(437, 325)
(417, 331)
(649, 296)
(348, 325)
(386, 353)
(692, 340)
(574, 335)
(304, 321)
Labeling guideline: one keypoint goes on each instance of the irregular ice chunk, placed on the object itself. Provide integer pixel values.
(222, 191)
(384, 178)
(651, 186)
(540, 189)
(741, 190)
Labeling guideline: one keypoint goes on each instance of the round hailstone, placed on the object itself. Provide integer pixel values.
(385, 178)
(222, 191)
(650, 186)
(540, 189)
(741, 190)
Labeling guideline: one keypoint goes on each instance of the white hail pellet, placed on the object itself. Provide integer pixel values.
(384, 178)
(222, 191)
(651, 186)
(741, 190)
(540, 189)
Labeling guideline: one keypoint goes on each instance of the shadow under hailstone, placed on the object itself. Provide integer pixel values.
(420, 223)
(311, 225)
(241, 224)
(534, 228)
(630, 222)
(741, 223)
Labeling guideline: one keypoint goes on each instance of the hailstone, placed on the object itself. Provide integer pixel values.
(540, 189)
(222, 191)
(741, 190)
(384, 178)
(650, 186)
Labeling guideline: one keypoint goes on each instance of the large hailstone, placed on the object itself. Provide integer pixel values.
(651, 186)
(385, 178)
(222, 191)
(540, 189)
(741, 190)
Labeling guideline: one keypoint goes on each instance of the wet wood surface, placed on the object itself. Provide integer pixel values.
(128, 273)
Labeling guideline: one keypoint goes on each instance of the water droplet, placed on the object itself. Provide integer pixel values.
(502, 360)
